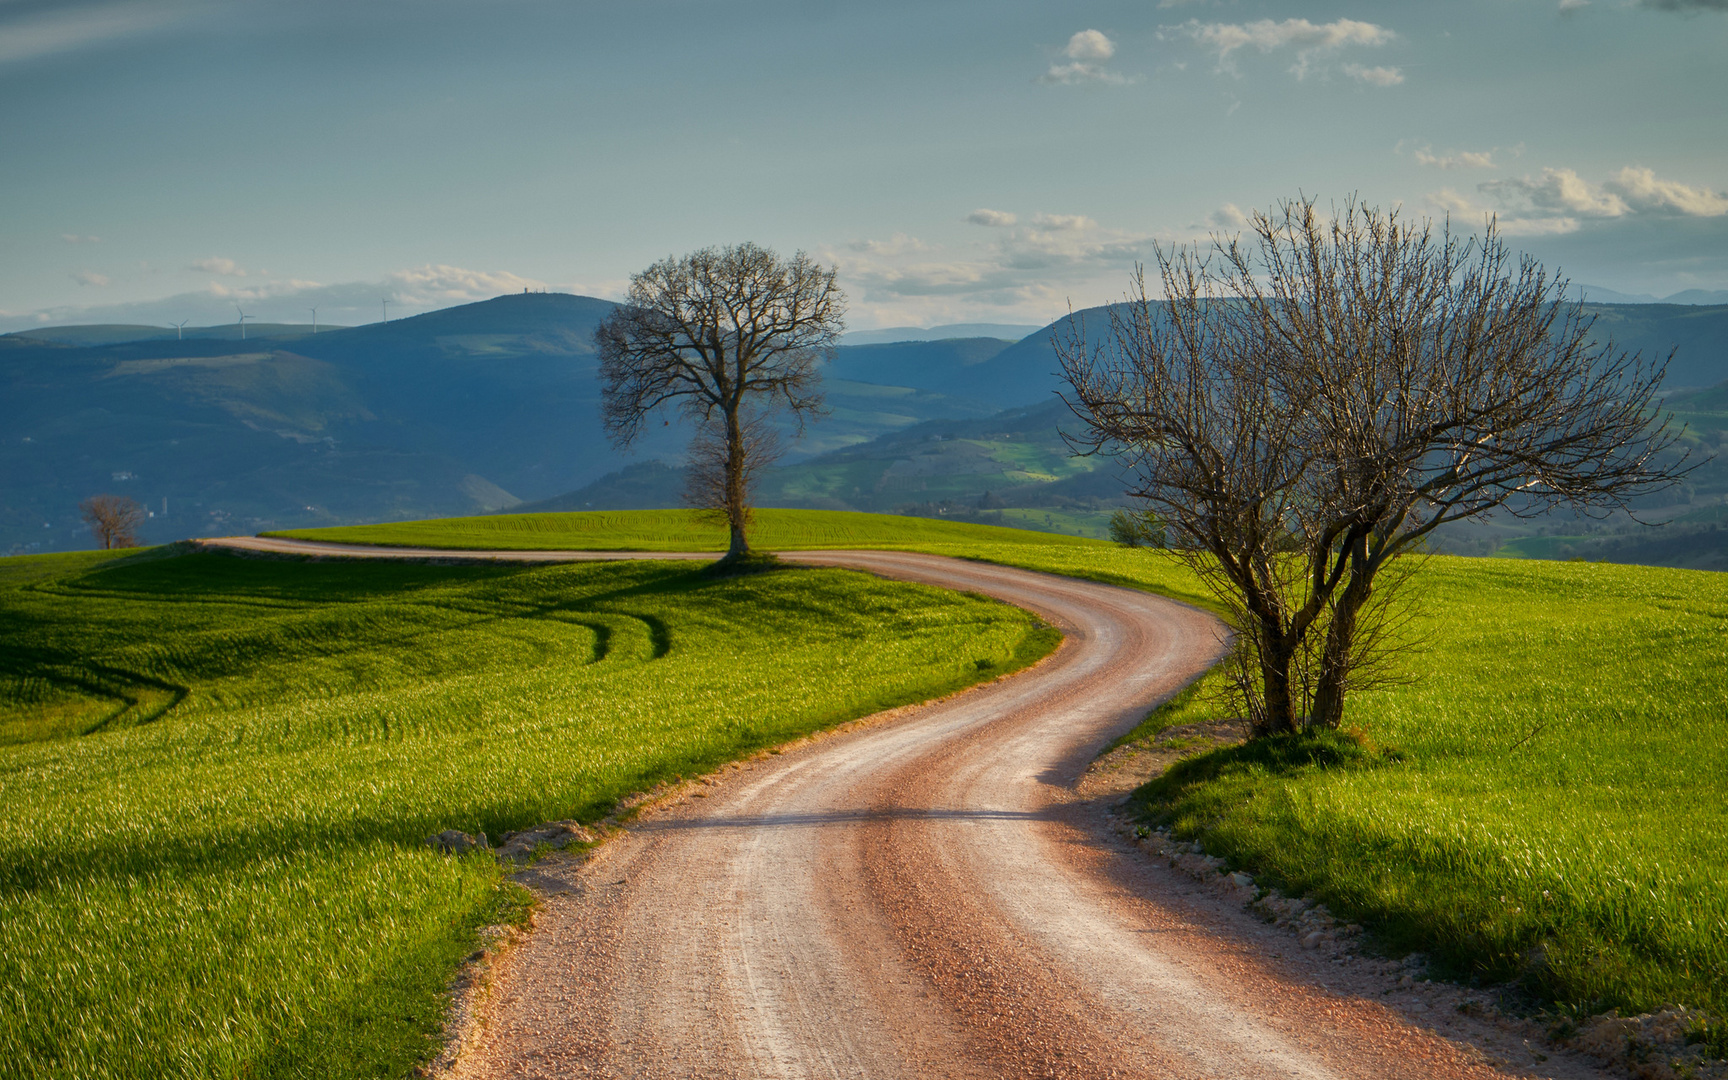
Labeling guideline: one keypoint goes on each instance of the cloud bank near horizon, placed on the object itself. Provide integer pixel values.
(411, 291)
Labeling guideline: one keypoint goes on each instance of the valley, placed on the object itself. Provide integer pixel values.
(493, 407)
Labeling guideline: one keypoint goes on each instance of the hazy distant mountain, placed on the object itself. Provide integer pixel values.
(462, 410)
(479, 407)
(1698, 296)
(1027, 371)
(1698, 336)
(1010, 468)
(118, 333)
(1598, 295)
(1005, 331)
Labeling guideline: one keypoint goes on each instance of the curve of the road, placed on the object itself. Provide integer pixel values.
(924, 897)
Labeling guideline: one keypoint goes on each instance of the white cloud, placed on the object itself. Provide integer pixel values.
(1313, 42)
(1559, 201)
(1567, 7)
(88, 277)
(1509, 223)
(1555, 190)
(74, 238)
(1062, 221)
(1090, 45)
(1087, 51)
(1462, 159)
(898, 244)
(1228, 216)
(997, 219)
(218, 265)
(438, 285)
(1027, 269)
(1375, 76)
(1526, 226)
(265, 291)
(1448, 201)
(1643, 192)
(410, 292)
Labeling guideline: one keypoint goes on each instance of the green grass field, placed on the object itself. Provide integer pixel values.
(781, 530)
(676, 530)
(1545, 801)
(218, 771)
(199, 750)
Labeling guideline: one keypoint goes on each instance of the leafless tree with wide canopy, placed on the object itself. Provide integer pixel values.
(114, 520)
(1308, 403)
(726, 336)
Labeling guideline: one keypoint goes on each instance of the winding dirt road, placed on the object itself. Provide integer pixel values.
(930, 896)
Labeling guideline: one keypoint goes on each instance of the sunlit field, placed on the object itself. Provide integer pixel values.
(676, 530)
(219, 771)
(1545, 801)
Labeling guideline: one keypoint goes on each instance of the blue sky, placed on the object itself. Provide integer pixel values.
(166, 159)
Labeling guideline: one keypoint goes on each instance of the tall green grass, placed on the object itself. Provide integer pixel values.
(220, 771)
(1546, 800)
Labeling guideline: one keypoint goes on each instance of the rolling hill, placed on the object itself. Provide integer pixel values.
(463, 410)
(1011, 468)
(487, 406)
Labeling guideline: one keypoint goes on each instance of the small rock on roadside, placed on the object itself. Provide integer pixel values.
(519, 847)
(456, 842)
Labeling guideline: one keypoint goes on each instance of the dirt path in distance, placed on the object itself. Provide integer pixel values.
(939, 895)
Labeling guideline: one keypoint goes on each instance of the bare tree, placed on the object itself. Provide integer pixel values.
(1307, 407)
(113, 520)
(705, 477)
(725, 336)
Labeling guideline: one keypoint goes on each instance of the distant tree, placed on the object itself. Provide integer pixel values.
(1304, 408)
(113, 520)
(1136, 528)
(727, 336)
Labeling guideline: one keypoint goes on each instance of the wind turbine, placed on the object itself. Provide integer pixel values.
(386, 304)
(243, 318)
(179, 329)
(314, 312)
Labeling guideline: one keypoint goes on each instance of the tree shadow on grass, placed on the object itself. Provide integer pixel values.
(1161, 799)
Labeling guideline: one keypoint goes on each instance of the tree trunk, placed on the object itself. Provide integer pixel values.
(736, 507)
(1336, 660)
(1275, 659)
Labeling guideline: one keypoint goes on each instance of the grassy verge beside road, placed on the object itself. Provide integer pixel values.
(218, 772)
(1544, 800)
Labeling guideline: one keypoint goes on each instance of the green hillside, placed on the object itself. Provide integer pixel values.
(220, 771)
(1542, 802)
(464, 410)
(1010, 469)
(1691, 519)
(495, 406)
